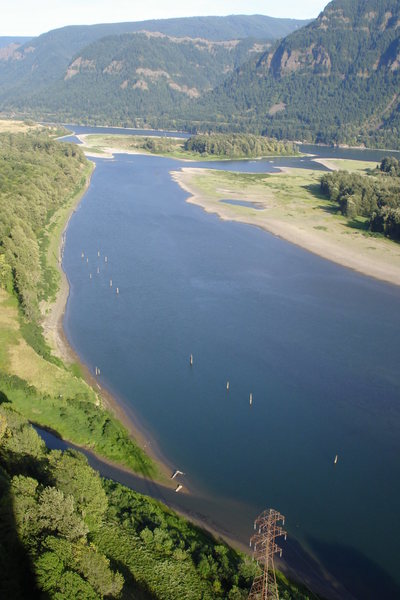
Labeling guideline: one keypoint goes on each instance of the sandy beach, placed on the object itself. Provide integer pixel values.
(329, 239)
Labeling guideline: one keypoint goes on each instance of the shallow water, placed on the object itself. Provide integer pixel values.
(316, 345)
(255, 205)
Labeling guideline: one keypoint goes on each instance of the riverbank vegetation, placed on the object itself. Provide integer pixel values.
(66, 533)
(239, 146)
(376, 198)
(40, 181)
(198, 147)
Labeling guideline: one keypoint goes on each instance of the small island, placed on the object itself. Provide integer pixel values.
(217, 146)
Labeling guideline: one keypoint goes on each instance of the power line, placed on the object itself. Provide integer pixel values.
(264, 547)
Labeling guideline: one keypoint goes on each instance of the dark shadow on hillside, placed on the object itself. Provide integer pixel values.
(131, 588)
(4, 398)
(365, 579)
(17, 579)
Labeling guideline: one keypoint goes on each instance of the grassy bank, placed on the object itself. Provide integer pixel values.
(50, 394)
(293, 208)
(16, 126)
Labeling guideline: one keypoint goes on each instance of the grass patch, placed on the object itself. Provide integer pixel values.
(76, 370)
(33, 335)
(78, 419)
(363, 167)
(360, 223)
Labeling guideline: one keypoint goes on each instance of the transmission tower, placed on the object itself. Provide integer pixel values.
(264, 549)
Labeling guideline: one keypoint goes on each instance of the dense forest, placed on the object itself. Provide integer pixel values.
(66, 533)
(334, 81)
(32, 67)
(131, 76)
(36, 176)
(377, 198)
(238, 146)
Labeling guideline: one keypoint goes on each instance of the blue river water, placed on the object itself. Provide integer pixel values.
(315, 344)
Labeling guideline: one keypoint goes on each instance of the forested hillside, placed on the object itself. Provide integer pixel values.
(36, 175)
(144, 75)
(337, 80)
(65, 533)
(41, 61)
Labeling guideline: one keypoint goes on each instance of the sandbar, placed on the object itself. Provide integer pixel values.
(295, 213)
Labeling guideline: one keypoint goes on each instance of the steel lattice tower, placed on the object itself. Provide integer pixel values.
(264, 548)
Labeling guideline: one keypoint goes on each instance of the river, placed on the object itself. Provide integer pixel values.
(314, 343)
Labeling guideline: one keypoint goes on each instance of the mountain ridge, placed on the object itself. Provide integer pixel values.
(33, 66)
(337, 80)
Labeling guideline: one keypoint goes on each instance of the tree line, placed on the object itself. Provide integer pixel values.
(66, 533)
(376, 198)
(238, 145)
(37, 176)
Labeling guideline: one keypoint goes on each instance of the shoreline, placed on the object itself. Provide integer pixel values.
(54, 333)
(292, 233)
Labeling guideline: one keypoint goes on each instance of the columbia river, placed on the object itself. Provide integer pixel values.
(315, 344)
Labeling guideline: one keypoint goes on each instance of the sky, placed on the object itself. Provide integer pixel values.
(33, 17)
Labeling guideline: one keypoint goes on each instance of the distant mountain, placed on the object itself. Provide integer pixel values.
(335, 80)
(6, 41)
(44, 59)
(138, 75)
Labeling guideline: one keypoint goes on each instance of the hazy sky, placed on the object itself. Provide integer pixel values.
(32, 17)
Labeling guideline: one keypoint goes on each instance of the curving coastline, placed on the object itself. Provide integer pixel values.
(52, 323)
(325, 238)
